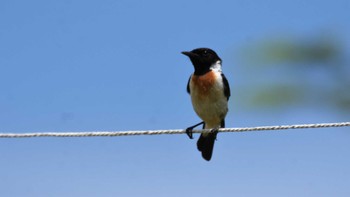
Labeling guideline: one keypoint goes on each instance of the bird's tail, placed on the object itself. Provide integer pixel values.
(205, 144)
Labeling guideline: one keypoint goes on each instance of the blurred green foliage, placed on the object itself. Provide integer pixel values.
(292, 50)
(291, 71)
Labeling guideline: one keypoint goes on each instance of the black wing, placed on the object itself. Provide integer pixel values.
(227, 90)
(188, 85)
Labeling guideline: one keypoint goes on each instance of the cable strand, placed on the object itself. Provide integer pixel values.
(173, 131)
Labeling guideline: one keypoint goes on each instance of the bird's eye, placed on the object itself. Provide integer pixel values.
(205, 52)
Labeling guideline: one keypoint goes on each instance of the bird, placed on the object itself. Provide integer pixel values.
(210, 92)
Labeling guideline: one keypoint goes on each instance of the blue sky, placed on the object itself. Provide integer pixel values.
(116, 65)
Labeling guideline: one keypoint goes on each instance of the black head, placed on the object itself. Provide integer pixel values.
(202, 59)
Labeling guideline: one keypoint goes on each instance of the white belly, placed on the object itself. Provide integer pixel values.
(210, 106)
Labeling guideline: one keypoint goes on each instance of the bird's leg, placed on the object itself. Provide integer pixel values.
(189, 131)
(215, 131)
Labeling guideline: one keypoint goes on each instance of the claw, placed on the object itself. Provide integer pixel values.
(189, 132)
(215, 131)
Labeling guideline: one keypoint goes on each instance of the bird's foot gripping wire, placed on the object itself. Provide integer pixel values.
(214, 131)
(189, 130)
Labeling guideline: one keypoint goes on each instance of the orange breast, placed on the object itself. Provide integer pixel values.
(203, 83)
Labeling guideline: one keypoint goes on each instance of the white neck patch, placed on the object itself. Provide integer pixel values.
(216, 66)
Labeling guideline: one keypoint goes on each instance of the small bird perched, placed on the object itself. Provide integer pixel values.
(210, 91)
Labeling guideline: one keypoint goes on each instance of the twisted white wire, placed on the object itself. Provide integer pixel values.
(173, 131)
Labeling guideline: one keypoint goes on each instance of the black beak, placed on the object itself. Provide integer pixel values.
(189, 54)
